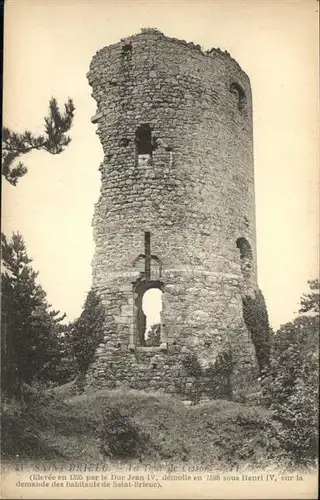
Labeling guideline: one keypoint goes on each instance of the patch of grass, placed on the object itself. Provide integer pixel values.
(44, 427)
(156, 416)
(129, 424)
(217, 432)
(230, 433)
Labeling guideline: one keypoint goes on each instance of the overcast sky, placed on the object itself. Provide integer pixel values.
(48, 48)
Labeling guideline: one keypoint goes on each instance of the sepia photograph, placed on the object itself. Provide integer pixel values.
(160, 249)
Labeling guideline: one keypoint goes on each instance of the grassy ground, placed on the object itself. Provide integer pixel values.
(139, 425)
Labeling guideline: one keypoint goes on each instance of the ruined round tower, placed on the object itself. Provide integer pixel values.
(176, 213)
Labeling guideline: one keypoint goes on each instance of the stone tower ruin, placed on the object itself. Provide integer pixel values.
(176, 214)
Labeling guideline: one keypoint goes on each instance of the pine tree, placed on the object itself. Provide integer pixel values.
(29, 328)
(86, 333)
(54, 140)
(31, 341)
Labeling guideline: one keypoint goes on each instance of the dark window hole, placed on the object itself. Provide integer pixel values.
(246, 257)
(124, 142)
(126, 50)
(144, 143)
(241, 95)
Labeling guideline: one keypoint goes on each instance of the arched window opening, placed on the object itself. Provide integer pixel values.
(144, 144)
(241, 96)
(152, 307)
(246, 258)
(148, 300)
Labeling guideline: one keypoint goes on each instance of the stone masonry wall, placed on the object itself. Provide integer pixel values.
(194, 193)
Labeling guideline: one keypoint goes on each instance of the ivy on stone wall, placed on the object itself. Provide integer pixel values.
(219, 376)
(193, 385)
(192, 365)
(256, 319)
(215, 380)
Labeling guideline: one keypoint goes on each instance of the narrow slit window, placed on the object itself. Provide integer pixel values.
(147, 249)
(144, 144)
